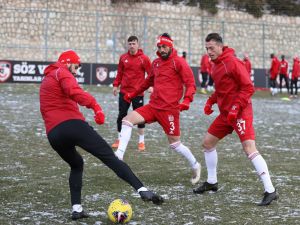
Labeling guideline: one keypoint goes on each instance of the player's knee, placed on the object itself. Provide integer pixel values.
(207, 145)
(77, 164)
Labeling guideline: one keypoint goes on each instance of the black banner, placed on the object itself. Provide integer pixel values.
(89, 73)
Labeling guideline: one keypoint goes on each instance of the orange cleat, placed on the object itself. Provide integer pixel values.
(141, 146)
(116, 144)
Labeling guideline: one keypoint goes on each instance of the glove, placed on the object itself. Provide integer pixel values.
(233, 113)
(128, 97)
(207, 108)
(184, 105)
(99, 115)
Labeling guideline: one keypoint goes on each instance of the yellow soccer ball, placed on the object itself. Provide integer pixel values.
(119, 211)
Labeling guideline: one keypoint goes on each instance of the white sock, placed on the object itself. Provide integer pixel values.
(183, 150)
(142, 189)
(262, 170)
(141, 138)
(77, 208)
(211, 160)
(124, 139)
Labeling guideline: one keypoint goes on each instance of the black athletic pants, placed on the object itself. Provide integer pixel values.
(204, 79)
(210, 81)
(63, 139)
(137, 102)
(283, 77)
(294, 82)
(272, 83)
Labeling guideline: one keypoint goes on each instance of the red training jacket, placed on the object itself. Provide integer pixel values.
(205, 65)
(248, 65)
(296, 68)
(59, 95)
(283, 67)
(274, 70)
(232, 83)
(168, 77)
(131, 71)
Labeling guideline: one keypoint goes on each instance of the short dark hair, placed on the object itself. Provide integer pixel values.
(133, 38)
(282, 56)
(215, 37)
(166, 35)
(272, 55)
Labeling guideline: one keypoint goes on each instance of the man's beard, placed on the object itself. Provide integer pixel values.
(165, 55)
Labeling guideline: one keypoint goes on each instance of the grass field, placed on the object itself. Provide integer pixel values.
(33, 179)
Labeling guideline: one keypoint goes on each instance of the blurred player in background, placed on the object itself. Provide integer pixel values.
(66, 128)
(283, 73)
(295, 76)
(205, 67)
(131, 74)
(274, 71)
(170, 76)
(247, 63)
(233, 96)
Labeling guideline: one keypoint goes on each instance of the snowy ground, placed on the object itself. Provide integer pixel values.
(33, 179)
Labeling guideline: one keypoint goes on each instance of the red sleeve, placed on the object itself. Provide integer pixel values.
(119, 76)
(187, 76)
(213, 98)
(147, 65)
(71, 88)
(246, 88)
(148, 82)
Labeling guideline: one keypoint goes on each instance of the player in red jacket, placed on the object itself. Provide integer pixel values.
(205, 67)
(295, 76)
(247, 63)
(233, 91)
(274, 71)
(66, 128)
(283, 73)
(131, 73)
(169, 76)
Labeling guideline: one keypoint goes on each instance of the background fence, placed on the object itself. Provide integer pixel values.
(39, 34)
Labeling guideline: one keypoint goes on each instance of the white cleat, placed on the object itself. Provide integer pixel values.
(196, 174)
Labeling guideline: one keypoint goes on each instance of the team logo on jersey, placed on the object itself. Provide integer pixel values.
(101, 73)
(126, 60)
(5, 71)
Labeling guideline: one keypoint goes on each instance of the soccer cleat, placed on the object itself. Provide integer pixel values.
(196, 174)
(115, 144)
(203, 91)
(268, 198)
(141, 146)
(148, 196)
(206, 187)
(79, 215)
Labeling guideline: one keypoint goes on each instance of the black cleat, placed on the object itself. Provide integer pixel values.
(148, 196)
(268, 198)
(79, 215)
(206, 187)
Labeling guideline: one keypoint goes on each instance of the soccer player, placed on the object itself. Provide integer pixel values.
(205, 67)
(295, 76)
(66, 128)
(233, 91)
(169, 76)
(247, 63)
(274, 70)
(283, 73)
(131, 73)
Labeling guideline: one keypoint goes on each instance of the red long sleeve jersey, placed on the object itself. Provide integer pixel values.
(59, 95)
(131, 71)
(168, 78)
(248, 65)
(284, 65)
(205, 65)
(274, 70)
(296, 68)
(232, 83)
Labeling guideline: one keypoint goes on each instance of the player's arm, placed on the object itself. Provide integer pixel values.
(71, 88)
(119, 77)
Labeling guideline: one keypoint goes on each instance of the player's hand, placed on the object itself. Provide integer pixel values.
(184, 105)
(99, 117)
(208, 108)
(233, 113)
(128, 97)
(115, 91)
